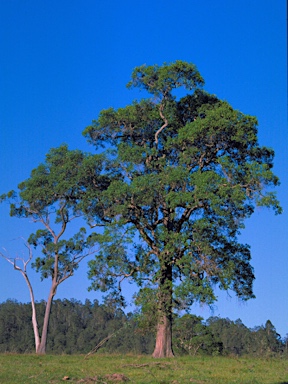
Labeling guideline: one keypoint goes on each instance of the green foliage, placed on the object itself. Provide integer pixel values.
(239, 340)
(74, 327)
(68, 253)
(187, 173)
(77, 327)
(54, 193)
(192, 336)
(162, 80)
(146, 317)
(16, 334)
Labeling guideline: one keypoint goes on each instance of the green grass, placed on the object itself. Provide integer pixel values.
(54, 369)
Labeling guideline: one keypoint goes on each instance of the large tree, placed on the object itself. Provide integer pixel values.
(50, 198)
(189, 172)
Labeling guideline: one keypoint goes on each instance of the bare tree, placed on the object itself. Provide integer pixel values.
(20, 264)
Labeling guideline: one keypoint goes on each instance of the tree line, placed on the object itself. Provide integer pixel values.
(77, 327)
(160, 203)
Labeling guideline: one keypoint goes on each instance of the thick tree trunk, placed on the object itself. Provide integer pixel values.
(163, 346)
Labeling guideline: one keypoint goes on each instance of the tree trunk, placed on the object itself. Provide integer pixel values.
(163, 346)
(34, 316)
(35, 324)
(42, 347)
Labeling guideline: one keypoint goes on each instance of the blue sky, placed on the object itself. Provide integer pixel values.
(61, 62)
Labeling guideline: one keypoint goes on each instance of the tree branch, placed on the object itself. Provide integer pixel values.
(161, 108)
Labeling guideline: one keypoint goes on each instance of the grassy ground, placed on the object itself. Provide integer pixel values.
(140, 369)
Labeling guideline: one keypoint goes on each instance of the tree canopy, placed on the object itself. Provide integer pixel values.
(51, 197)
(187, 172)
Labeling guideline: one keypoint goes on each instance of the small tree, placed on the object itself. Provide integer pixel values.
(191, 335)
(189, 172)
(266, 341)
(51, 197)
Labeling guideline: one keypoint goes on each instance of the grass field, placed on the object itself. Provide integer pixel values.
(54, 369)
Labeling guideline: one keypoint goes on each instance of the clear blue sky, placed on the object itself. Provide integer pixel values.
(61, 62)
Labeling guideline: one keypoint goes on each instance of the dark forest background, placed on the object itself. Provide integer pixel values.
(77, 327)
